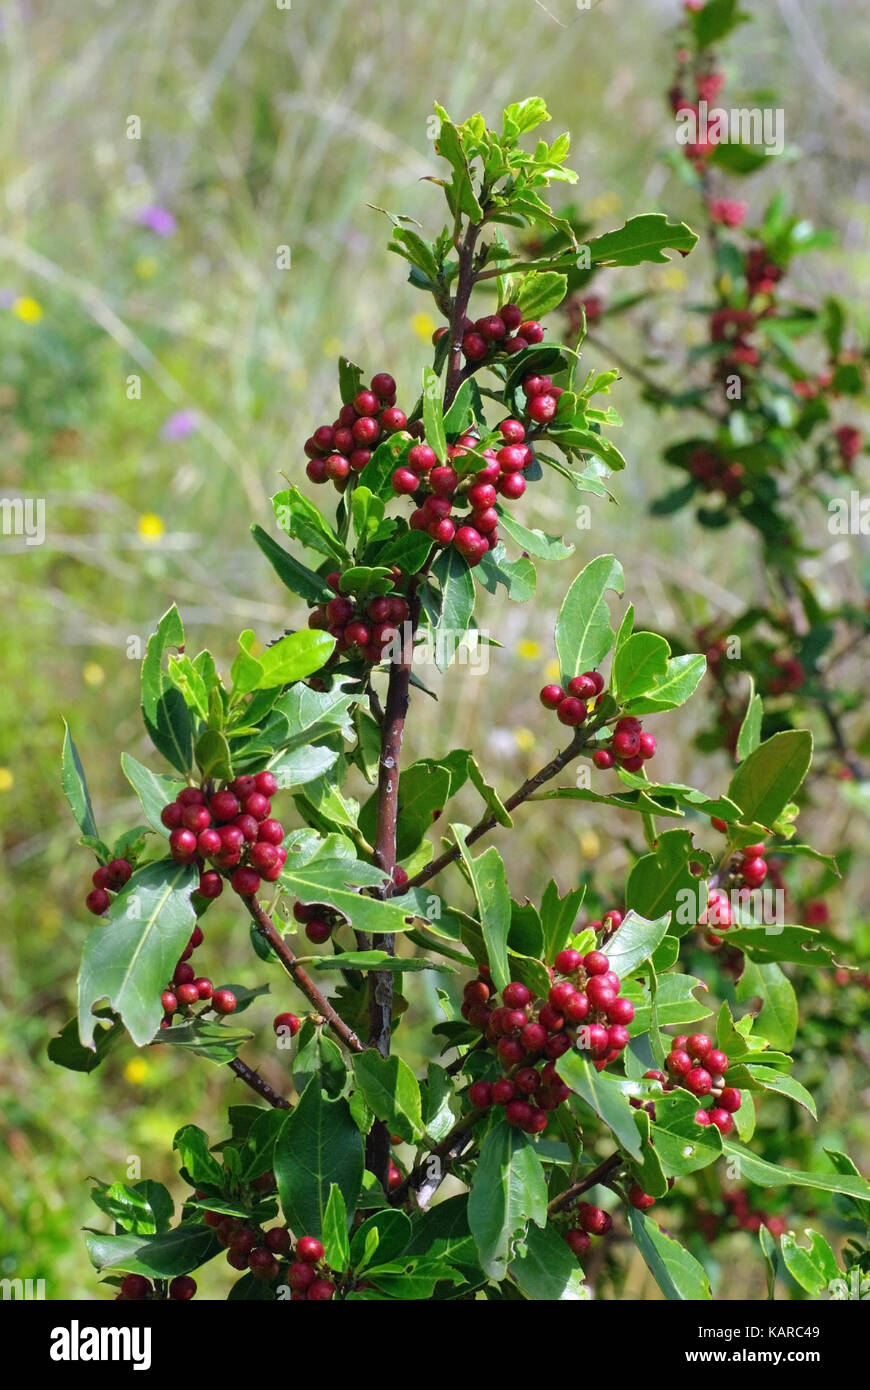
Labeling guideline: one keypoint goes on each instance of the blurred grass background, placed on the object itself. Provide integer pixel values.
(260, 128)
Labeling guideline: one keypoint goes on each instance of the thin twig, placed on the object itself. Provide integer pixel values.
(570, 1195)
(258, 1083)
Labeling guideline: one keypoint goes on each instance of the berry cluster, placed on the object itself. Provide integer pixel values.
(592, 1221)
(135, 1288)
(268, 1254)
(362, 627)
(739, 1216)
(699, 1067)
(583, 1009)
(186, 988)
(107, 879)
(231, 828)
(716, 474)
(629, 746)
(344, 447)
(438, 489)
(572, 705)
(505, 331)
(319, 920)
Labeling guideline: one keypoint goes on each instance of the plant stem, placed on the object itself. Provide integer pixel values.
(426, 1177)
(300, 977)
(258, 1083)
(596, 1176)
(464, 286)
(528, 788)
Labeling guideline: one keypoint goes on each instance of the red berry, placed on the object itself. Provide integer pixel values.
(620, 1011)
(393, 419)
(716, 1062)
(511, 316)
(533, 1037)
(626, 743)
(518, 1112)
(679, 1063)
(512, 431)
(647, 746)
(171, 815)
(467, 541)
(421, 458)
(571, 711)
(698, 1045)
(577, 1008)
(560, 994)
(568, 961)
(594, 1221)
(266, 783)
(168, 1002)
(182, 844)
(203, 987)
(596, 963)
(702, 1117)
(309, 1250)
(278, 1240)
(443, 480)
(262, 1263)
(599, 993)
(405, 481)
(258, 806)
(510, 1052)
(577, 1240)
(480, 1095)
(492, 327)
(475, 347)
(730, 1099)
(542, 408)
(754, 872)
(300, 1276)
(442, 531)
(119, 871)
(698, 1080)
(321, 1290)
(286, 1021)
(603, 758)
(98, 899)
(245, 882)
(191, 796)
(516, 995)
(223, 1001)
(482, 496)
(365, 403)
(188, 994)
(384, 386)
(136, 1287)
(723, 1121)
(618, 1036)
(503, 1092)
(272, 831)
(552, 696)
(512, 486)
(318, 931)
(512, 458)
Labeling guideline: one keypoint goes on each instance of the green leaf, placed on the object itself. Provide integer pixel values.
(634, 942)
(290, 659)
(456, 604)
(75, 787)
(815, 1269)
(779, 1009)
(305, 522)
(775, 942)
(302, 765)
(295, 576)
(604, 1095)
(558, 916)
(201, 1164)
(165, 714)
(773, 1080)
(318, 1145)
(213, 756)
(681, 1145)
(129, 960)
(769, 778)
(675, 1002)
(536, 542)
(424, 787)
(643, 238)
(639, 664)
(546, 1270)
(433, 414)
(436, 1094)
(153, 791)
(758, 1170)
(327, 871)
(715, 20)
(489, 881)
(677, 1273)
(318, 1056)
(336, 1245)
(212, 1040)
(391, 1091)
(583, 632)
(161, 1256)
(143, 1209)
(350, 378)
(377, 960)
(662, 881)
(679, 682)
(508, 1190)
(385, 1234)
(540, 292)
(67, 1051)
(415, 250)
(459, 192)
(750, 730)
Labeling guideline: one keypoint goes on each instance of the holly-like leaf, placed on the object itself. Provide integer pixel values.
(677, 1273)
(75, 787)
(777, 1003)
(536, 542)
(602, 1094)
(661, 881)
(144, 1208)
(508, 1190)
(318, 1145)
(583, 632)
(67, 1051)
(295, 576)
(634, 942)
(546, 1270)
(643, 238)
(305, 522)
(200, 1164)
(153, 790)
(391, 1091)
(164, 1256)
(768, 779)
(128, 961)
(488, 879)
(209, 1039)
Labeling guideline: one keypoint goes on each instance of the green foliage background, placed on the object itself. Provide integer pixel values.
(263, 128)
